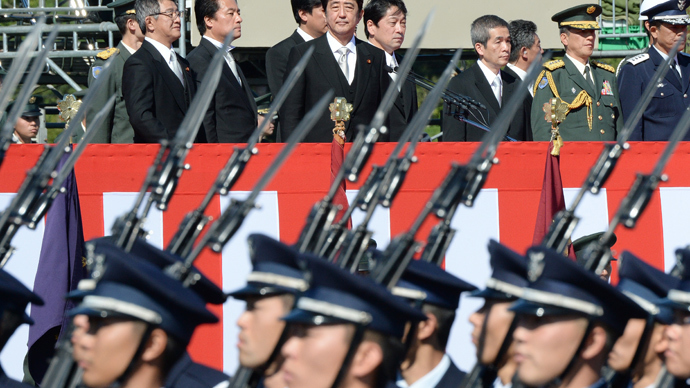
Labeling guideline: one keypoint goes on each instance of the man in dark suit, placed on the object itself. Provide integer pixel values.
(116, 127)
(311, 19)
(351, 67)
(385, 22)
(667, 24)
(438, 293)
(526, 48)
(487, 84)
(157, 84)
(232, 115)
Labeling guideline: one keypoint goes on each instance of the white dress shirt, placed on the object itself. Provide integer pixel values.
(131, 50)
(430, 379)
(351, 56)
(304, 35)
(494, 80)
(581, 67)
(675, 60)
(522, 74)
(165, 52)
(228, 58)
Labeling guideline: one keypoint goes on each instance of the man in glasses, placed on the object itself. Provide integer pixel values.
(157, 84)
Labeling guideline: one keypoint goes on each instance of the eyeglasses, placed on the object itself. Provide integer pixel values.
(173, 14)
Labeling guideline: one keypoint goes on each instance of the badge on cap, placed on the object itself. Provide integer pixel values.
(32, 100)
(590, 10)
(543, 83)
(606, 89)
(535, 267)
(681, 5)
(96, 71)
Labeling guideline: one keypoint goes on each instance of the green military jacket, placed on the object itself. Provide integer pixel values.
(116, 127)
(598, 103)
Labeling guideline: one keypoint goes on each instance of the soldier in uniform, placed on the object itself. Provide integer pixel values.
(15, 297)
(437, 292)
(26, 127)
(667, 23)
(568, 319)
(494, 323)
(637, 356)
(678, 332)
(646, 5)
(585, 90)
(116, 127)
(269, 294)
(345, 331)
(140, 321)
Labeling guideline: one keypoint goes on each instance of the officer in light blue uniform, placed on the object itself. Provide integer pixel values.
(568, 320)
(667, 23)
(634, 357)
(14, 297)
(139, 321)
(437, 293)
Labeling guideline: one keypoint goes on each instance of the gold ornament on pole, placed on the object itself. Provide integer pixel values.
(340, 113)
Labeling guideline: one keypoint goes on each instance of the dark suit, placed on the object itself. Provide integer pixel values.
(323, 74)
(405, 107)
(669, 101)
(472, 83)
(528, 99)
(452, 377)
(155, 98)
(116, 127)
(276, 61)
(231, 116)
(189, 374)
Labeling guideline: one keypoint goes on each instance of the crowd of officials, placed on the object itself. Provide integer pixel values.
(546, 321)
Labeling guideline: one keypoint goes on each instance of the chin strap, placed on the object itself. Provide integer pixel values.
(354, 344)
(557, 382)
(135, 358)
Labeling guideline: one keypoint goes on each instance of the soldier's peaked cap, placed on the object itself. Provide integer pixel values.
(123, 7)
(138, 289)
(14, 296)
(509, 275)
(565, 288)
(337, 296)
(678, 298)
(672, 12)
(645, 285)
(430, 284)
(582, 17)
(276, 269)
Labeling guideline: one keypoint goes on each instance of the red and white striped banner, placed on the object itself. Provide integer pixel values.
(109, 177)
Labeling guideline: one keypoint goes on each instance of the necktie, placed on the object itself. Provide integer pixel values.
(588, 76)
(233, 66)
(496, 85)
(674, 69)
(175, 66)
(342, 62)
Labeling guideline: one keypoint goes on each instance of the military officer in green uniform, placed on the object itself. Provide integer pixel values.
(116, 128)
(584, 91)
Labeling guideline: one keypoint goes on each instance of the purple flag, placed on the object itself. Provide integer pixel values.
(60, 268)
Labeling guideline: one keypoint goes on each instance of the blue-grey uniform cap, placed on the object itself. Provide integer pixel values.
(15, 296)
(509, 275)
(428, 283)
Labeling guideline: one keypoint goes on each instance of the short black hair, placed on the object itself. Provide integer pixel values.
(202, 9)
(444, 318)
(523, 33)
(479, 31)
(360, 4)
(376, 10)
(304, 5)
(121, 22)
(174, 350)
(393, 354)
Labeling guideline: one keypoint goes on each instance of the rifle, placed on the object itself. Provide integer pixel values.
(383, 183)
(463, 182)
(30, 203)
(12, 79)
(565, 221)
(598, 255)
(234, 215)
(163, 175)
(195, 221)
(319, 220)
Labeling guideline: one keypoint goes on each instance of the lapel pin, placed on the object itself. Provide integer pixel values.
(573, 90)
(369, 61)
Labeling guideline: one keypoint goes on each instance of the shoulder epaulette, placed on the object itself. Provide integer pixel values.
(684, 53)
(605, 66)
(637, 59)
(555, 64)
(105, 54)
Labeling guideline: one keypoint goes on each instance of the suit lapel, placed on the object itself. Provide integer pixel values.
(684, 63)
(362, 70)
(171, 81)
(329, 67)
(670, 77)
(247, 90)
(407, 97)
(228, 74)
(484, 88)
(297, 38)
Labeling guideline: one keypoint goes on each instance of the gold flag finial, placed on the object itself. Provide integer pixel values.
(340, 113)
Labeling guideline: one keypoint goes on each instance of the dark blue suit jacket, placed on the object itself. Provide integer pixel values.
(188, 374)
(451, 379)
(669, 102)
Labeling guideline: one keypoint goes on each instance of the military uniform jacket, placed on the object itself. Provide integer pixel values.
(323, 74)
(669, 102)
(116, 127)
(188, 374)
(599, 102)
